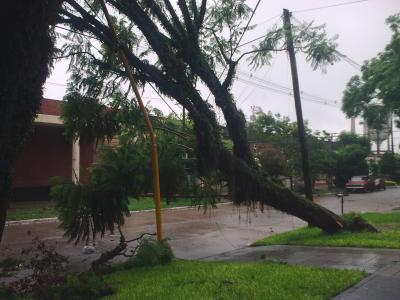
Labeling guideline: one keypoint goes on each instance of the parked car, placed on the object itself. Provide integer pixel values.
(360, 183)
(380, 184)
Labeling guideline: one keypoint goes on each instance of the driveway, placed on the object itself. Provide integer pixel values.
(194, 233)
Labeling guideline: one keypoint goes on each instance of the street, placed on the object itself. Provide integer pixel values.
(193, 233)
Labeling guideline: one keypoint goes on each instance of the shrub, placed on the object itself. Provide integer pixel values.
(151, 252)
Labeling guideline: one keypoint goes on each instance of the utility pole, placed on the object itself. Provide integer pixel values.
(297, 101)
(154, 151)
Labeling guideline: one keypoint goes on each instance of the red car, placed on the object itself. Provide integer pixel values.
(360, 183)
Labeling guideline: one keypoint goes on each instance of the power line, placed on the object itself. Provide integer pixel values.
(245, 29)
(269, 19)
(286, 89)
(329, 6)
(162, 98)
(267, 73)
(56, 84)
(289, 92)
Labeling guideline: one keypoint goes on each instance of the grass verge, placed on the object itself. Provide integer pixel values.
(388, 237)
(48, 210)
(217, 280)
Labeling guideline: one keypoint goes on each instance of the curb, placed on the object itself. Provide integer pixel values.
(55, 219)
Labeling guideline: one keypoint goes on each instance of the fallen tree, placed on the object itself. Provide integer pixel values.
(187, 43)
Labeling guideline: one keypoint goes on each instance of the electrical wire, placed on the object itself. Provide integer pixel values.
(269, 71)
(162, 98)
(285, 89)
(305, 97)
(329, 6)
(237, 44)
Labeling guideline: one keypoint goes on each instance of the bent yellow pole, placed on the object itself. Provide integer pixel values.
(154, 152)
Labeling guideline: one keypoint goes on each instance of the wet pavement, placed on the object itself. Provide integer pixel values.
(195, 234)
(364, 259)
(192, 233)
(382, 285)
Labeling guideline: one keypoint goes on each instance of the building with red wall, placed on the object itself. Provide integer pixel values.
(47, 153)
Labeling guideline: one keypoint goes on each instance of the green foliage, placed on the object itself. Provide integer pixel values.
(280, 155)
(83, 286)
(223, 16)
(390, 166)
(151, 252)
(380, 79)
(274, 163)
(388, 237)
(123, 169)
(221, 280)
(347, 138)
(86, 118)
(121, 172)
(88, 210)
(312, 40)
(351, 153)
(351, 161)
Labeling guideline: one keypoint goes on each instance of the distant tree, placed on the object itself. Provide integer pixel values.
(26, 48)
(280, 134)
(390, 166)
(351, 156)
(274, 163)
(347, 138)
(376, 92)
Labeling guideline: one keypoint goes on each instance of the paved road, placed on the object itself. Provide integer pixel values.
(194, 233)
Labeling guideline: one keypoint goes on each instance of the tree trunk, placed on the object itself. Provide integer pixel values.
(27, 45)
(4, 193)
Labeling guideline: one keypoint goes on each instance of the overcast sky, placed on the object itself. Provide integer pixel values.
(362, 34)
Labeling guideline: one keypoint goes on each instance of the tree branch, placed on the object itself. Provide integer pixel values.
(186, 18)
(72, 54)
(259, 50)
(156, 9)
(202, 13)
(220, 46)
(195, 10)
(174, 17)
(229, 76)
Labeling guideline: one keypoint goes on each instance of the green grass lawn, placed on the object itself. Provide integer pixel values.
(217, 280)
(388, 237)
(48, 210)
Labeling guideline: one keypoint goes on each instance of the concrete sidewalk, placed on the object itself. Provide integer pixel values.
(383, 264)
